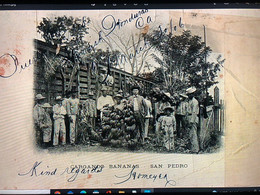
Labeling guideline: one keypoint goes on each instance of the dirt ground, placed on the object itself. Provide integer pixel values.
(181, 146)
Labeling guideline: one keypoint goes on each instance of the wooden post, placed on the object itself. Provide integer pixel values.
(89, 79)
(113, 92)
(78, 80)
(216, 108)
(222, 116)
(120, 81)
(125, 84)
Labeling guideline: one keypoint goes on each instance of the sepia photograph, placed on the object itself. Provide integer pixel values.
(154, 89)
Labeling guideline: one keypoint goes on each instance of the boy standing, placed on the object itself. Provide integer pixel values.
(165, 128)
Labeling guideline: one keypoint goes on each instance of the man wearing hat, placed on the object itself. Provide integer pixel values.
(46, 124)
(104, 100)
(38, 110)
(161, 102)
(105, 78)
(38, 116)
(72, 109)
(118, 102)
(139, 107)
(165, 128)
(193, 119)
(180, 115)
(59, 124)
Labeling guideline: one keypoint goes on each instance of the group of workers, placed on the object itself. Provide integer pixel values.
(130, 117)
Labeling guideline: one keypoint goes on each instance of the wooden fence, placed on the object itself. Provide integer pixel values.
(84, 79)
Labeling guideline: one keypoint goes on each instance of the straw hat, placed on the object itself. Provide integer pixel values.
(167, 94)
(58, 98)
(90, 93)
(46, 105)
(183, 95)
(39, 97)
(190, 90)
(118, 96)
(104, 88)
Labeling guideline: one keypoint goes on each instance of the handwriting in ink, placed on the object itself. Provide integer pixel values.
(12, 60)
(109, 22)
(75, 171)
(36, 171)
(133, 175)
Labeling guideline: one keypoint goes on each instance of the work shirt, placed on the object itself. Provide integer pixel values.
(182, 108)
(46, 120)
(159, 107)
(149, 108)
(58, 111)
(72, 106)
(139, 104)
(90, 108)
(193, 111)
(38, 113)
(102, 101)
(65, 104)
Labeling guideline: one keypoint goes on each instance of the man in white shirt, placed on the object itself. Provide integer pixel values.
(104, 100)
(193, 119)
(181, 113)
(148, 116)
(59, 124)
(72, 109)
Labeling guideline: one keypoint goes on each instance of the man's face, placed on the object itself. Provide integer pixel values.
(135, 91)
(41, 101)
(168, 112)
(48, 110)
(104, 93)
(118, 100)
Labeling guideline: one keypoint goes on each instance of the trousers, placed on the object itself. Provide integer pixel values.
(72, 129)
(59, 131)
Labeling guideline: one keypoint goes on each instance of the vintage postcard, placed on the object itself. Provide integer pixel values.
(129, 98)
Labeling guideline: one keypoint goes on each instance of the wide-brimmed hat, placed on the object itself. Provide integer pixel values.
(102, 69)
(39, 97)
(190, 90)
(168, 94)
(58, 97)
(118, 96)
(183, 95)
(135, 87)
(104, 88)
(168, 108)
(90, 93)
(46, 105)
